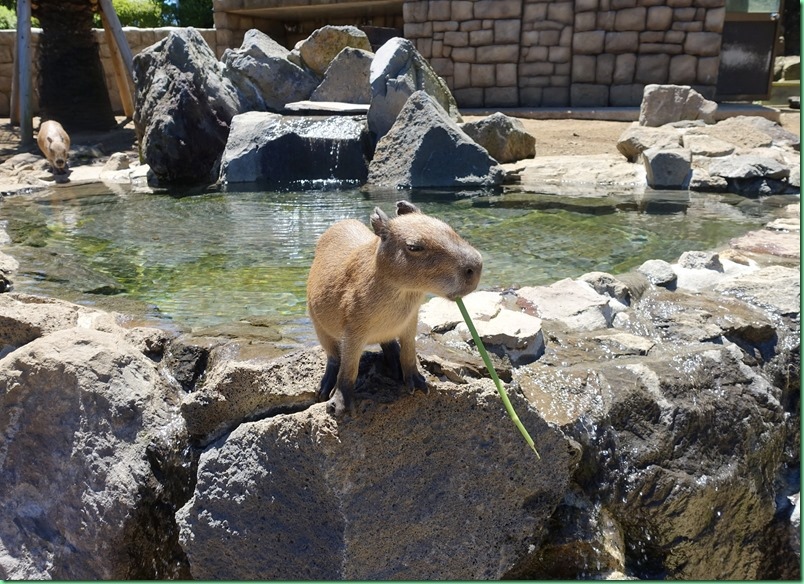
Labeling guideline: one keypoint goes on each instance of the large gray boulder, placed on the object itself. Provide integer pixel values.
(266, 147)
(385, 495)
(664, 104)
(90, 447)
(183, 108)
(347, 78)
(426, 148)
(319, 49)
(504, 137)
(397, 71)
(262, 74)
(667, 168)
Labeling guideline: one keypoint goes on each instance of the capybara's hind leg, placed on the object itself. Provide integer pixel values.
(329, 378)
(393, 365)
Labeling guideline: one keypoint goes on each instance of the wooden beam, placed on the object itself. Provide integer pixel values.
(22, 90)
(125, 85)
(121, 55)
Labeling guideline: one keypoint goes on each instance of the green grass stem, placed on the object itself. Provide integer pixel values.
(487, 361)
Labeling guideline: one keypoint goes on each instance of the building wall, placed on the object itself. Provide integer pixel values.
(499, 53)
(576, 53)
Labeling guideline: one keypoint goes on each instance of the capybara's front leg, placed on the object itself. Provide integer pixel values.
(391, 360)
(329, 379)
(342, 400)
(410, 365)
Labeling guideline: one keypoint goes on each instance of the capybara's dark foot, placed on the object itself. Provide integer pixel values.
(417, 381)
(391, 359)
(329, 379)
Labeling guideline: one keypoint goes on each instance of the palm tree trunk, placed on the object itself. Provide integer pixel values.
(72, 87)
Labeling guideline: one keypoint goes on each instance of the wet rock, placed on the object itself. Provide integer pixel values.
(364, 499)
(183, 108)
(667, 169)
(426, 148)
(397, 72)
(89, 432)
(702, 181)
(700, 260)
(608, 285)
(347, 78)
(263, 76)
(503, 137)
(319, 49)
(636, 139)
(441, 315)
(573, 303)
(775, 288)
(295, 149)
(509, 333)
(658, 272)
(663, 104)
(784, 244)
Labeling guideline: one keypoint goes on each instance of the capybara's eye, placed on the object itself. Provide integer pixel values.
(415, 247)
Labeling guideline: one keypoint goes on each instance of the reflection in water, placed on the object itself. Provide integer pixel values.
(221, 257)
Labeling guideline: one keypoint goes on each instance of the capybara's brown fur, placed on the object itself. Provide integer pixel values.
(367, 287)
(55, 145)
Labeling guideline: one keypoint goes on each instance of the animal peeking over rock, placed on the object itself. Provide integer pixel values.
(55, 145)
(367, 288)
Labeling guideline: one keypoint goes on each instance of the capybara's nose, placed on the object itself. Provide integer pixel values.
(473, 269)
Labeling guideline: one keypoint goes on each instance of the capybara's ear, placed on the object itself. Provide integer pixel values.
(379, 222)
(405, 207)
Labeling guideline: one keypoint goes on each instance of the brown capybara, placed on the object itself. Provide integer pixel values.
(367, 287)
(55, 145)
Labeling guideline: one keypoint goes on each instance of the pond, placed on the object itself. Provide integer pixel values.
(221, 257)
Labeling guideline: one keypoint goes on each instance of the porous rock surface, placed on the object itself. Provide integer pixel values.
(319, 488)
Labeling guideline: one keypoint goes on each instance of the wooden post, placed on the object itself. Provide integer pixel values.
(125, 85)
(22, 90)
(122, 59)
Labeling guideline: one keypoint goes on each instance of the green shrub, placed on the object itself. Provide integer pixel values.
(139, 13)
(197, 13)
(8, 18)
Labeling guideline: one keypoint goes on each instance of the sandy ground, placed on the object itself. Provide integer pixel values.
(570, 137)
(564, 137)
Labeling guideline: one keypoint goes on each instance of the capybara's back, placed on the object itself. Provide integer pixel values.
(54, 143)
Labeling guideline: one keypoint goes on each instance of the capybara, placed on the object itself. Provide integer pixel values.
(55, 145)
(367, 287)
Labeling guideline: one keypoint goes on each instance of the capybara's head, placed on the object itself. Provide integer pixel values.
(421, 253)
(58, 151)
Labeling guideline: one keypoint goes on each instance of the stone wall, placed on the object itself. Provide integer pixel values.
(577, 53)
(137, 38)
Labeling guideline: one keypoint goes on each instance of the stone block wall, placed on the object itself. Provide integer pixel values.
(301, 23)
(137, 38)
(576, 53)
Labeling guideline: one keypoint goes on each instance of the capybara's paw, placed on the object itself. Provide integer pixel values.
(417, 381)
(339, 407)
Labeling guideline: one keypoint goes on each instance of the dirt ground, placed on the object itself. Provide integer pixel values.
(571, 137)
(563, 137)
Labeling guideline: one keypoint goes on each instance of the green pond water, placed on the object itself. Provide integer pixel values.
(223, 257)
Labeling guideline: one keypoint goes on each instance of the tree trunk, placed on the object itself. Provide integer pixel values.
(72, 86)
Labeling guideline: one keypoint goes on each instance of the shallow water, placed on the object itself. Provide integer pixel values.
(222, 257)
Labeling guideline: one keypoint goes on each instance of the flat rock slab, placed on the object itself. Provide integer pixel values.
(325, 107)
